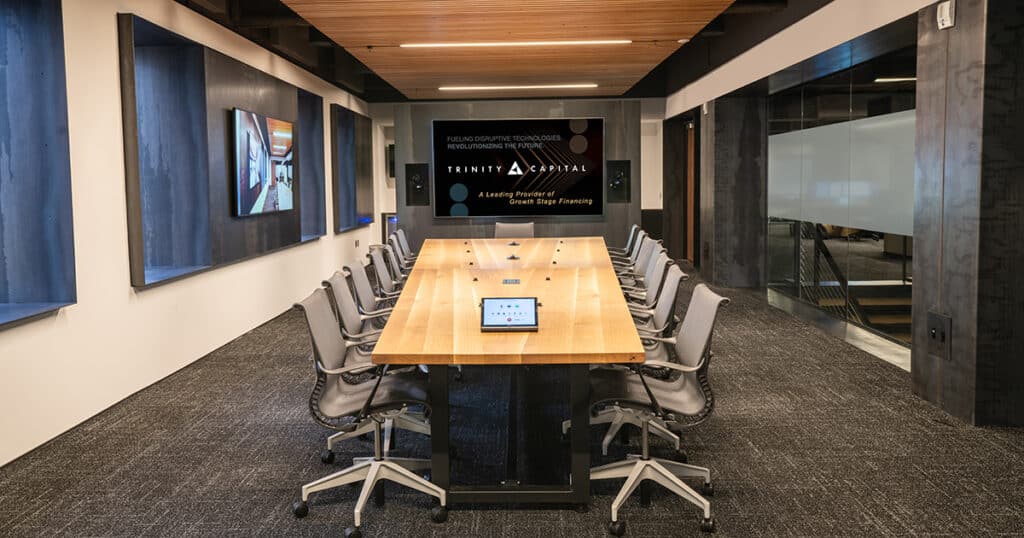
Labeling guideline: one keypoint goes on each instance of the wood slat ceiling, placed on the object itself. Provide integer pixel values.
(372, 30)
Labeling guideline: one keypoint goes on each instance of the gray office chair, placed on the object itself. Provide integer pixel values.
(513, 230)
(648, 248)
(637, 286)
(387, 284)
(369, 302)
(626, 264)
(404, 242)
(367, 405)
(624, 251)
(399, 271)
(355, 326)
(655, 352)
(404, 263)
(680, 403)
(630, 256)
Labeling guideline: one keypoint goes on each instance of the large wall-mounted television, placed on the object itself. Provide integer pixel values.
(264, 168)
(530, 167)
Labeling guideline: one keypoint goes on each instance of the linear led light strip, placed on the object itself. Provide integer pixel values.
(517, 43)
(518, 87)
(883, 80)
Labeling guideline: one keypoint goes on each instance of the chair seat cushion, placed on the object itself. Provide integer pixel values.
(341, 399)
(621, 386)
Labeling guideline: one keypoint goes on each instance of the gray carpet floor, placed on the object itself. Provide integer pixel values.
(811, 437)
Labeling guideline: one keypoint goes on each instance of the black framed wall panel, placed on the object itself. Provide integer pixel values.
(352, 177)
(310, 142)
(37, 268)
(166, 179)
(179, 100)
(417, 184)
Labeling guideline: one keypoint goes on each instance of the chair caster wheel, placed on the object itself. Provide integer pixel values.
(707, 524)
(300, 509)
(616, 528)
(708, 490)
(439, 514)
(353, 532)
(327, 456)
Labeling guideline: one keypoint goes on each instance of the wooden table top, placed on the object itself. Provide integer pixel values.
(583, 317)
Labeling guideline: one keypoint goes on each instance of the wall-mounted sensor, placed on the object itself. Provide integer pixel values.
(945, 14)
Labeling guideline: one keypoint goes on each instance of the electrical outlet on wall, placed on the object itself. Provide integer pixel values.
(940, 335)
(357, 243)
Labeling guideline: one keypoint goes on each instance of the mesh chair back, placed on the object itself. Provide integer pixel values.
(631, 237)
(380, 268)
(510, 230)
(364, 291)
(351, 321)
(393, 243)
(635, 252)
(396, 268)
(328, 345)
(404, 243)
(654, 277)
(647, 251)
(694, 338)
(667, 298)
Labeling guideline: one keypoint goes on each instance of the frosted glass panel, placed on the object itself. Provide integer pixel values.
(826, 174)
(785, 159)
(882, 173)
(812, 177)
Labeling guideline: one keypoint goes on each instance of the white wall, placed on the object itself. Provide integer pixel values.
(59, 371)
(652, 112)
(834, 24)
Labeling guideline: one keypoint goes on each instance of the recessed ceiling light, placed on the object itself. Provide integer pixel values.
(883, 80)
(518, 87)
(684, 41)
(518, 43)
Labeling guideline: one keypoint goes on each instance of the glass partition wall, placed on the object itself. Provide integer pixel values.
(841, 192)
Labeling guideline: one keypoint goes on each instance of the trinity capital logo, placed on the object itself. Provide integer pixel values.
(515, 170)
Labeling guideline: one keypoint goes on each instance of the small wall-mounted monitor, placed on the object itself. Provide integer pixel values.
(264, 170)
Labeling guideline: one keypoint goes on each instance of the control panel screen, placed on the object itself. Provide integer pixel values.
(509, 314)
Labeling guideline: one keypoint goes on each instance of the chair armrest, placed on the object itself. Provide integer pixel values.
(675, 366)
(352, 368)
(354, 339)
(375, 314)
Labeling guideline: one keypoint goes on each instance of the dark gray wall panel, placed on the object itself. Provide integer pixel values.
(36, 243)
(311, 175)
(969, 213)
(352, 178)
(673, 186)
(622, 142)
(733, 191)
(231, 84)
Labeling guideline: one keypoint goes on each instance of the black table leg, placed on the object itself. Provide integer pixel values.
(440, 464)
(579, 435)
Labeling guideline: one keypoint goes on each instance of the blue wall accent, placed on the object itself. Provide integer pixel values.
(311, 164)
(352, 156)
(36, 241)
(171, 108)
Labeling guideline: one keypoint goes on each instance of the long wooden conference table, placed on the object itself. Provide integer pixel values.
(582, 320)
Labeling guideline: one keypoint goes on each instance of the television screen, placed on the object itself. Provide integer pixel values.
(493, 168)
(263, 164)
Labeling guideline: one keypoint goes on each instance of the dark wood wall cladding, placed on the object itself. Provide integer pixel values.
(231, 84)
(734, 191)
(310, 150)
(413, 141)
(673, 186)
(36, 243)
(171, 109)
(968, 211)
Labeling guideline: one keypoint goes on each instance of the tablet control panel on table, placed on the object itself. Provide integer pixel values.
(508, 314)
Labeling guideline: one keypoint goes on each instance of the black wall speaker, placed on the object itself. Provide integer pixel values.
(618, 182)
(417, 184)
